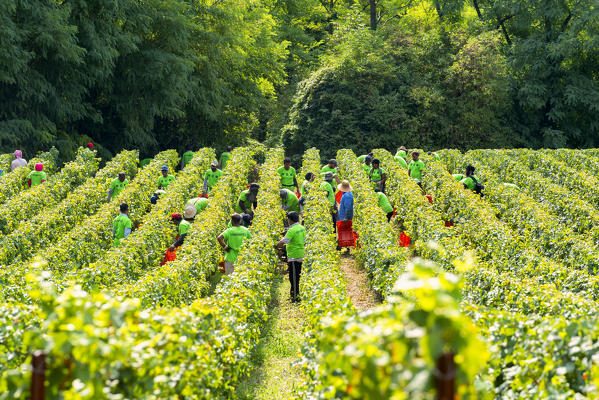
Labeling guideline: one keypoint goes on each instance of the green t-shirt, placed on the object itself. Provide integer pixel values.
(362, 158)
(224, 159)
(212, 177)
(367, 169)
(326, 169)
(199, 203)
(416, 168)
(243, 197)
(296, 235)
(512, 185)
(117, 186)
(436, 156)
(184, 227)
(37, 177)
(401, 154)
(234, 238)
(287, 176)
(458, 177)
(377, 174)
(164, 181)
(384, 202)
(187, 156)
(119, 225)
(326, 186)
(469, 182)
(291, 201)
(401, 161)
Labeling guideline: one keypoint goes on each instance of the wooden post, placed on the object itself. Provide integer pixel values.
(445, 377)
(38, 375)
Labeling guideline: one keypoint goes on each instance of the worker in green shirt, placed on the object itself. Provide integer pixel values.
(305, 187)
(434, 155)
(247, 199)
(211, 177)
(225, 157)
(294, 242)
(121, 225)
(165, 179)
(288, 175)
(328, 188)
(186, 157)
(458, 177)
(416, 167)
(38, 176)
(401, 161)
(231, 241)
(363, 157)
(330, 167)
(377, 175)
(117, 185)
(183, 223)
(367, 164)
(471, 181)
(384, 204)
(402, 152)
(289, 200)
(200, 203)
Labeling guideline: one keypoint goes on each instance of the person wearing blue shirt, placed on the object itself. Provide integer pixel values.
(346, 206)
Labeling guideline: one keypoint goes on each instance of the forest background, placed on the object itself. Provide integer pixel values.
(155, 74)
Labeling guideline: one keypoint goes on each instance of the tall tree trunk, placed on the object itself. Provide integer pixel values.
(477, 8)
(438, 8)
(373, 18)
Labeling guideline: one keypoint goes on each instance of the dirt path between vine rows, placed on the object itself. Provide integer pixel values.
(275, 374)
(358, 287)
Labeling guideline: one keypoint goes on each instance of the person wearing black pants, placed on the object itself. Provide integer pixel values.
(294, 244)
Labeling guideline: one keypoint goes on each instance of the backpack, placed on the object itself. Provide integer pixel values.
(478, 187)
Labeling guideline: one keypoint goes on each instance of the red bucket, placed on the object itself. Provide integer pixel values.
(404, 240)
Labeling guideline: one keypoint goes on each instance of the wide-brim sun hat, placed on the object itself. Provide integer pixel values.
(345, 186)
(189, 211)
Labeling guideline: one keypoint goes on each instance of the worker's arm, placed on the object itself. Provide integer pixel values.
(127, 231)
(409, 172)
(221, 241)
(281, 243)
(296, 184)
(242, 206)
(337, 179)
(110, 191)
(383, 178)
(205, 187)
(178, 242)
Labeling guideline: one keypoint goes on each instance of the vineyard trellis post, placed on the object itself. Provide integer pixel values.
(38, 375)
(445, 377)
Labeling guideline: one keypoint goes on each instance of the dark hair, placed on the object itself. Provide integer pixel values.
(377, 190)
(376, 161)
(470, 168)
(122, 173)
(254, 186)
(371, 154)
(294, 216)
(416, 152)
(124, 207)
(333, 161)
(287, 160)
(309, 176)
(236, 218)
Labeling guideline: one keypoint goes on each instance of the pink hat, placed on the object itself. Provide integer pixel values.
(90, 145)
(18, 154)
(39, 166)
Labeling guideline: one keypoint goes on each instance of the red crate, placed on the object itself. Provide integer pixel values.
(345, 234)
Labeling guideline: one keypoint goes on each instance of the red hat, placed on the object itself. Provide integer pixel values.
(176, 216)
(90, 145)
(39, 166)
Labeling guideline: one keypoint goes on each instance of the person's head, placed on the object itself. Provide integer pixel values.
(309, 176)
(415, 155)
(293, 217)
(254, 187)
(378, 190)
(189, 212)
(344, 186)
(376, 163)
(235, 219)
(189, 147)
(39, 166)
(328, 177)
(402, 148)
(18, 154)
(332, 163)
(287, 162)
(176, 218)
(164, 170)
(156, 196)
(368, 160)
(214, 165)
(371, 154)
(229, 149)
(283, 193)
(246, 220)
(124, 207)
(469, 170)
(122, 176)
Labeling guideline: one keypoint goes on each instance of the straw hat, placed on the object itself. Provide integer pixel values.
(190, 211)
(345, 186)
